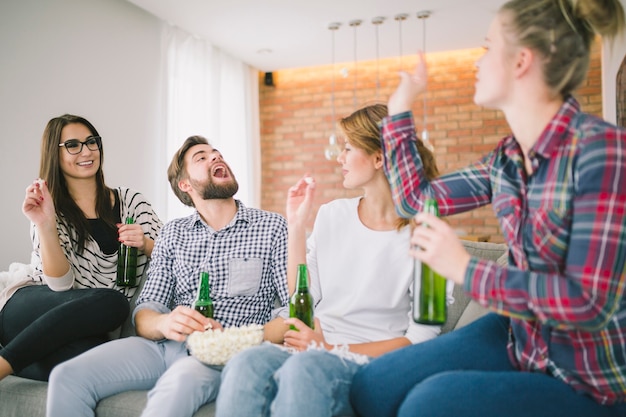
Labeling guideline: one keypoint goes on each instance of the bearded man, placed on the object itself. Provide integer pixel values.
(244, 250)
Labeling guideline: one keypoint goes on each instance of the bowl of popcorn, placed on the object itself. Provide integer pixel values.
(216, 347)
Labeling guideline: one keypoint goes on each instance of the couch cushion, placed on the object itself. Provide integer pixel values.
(464, 310)
(455, 309)
(472, 312)
(486, 250)
(20, 397)
(131, 403)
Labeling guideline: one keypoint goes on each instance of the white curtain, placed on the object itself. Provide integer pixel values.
(211, 94)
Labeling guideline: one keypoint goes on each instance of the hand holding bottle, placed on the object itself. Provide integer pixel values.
(411, 85)
(132, 235)
(302, 337)
(181, 322)
(439, 247)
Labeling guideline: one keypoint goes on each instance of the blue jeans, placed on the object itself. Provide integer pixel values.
(465, 373)
(178, 383)
(266, 380)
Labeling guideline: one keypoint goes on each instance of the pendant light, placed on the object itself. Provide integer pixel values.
(423, 15)
(332, 150)
(400, 18)
(355, 24)
(377, 21)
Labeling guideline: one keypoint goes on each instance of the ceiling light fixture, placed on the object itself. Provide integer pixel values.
(355, 24)
(423, 16)
(332, 150)
(377, 21)
(400, 18)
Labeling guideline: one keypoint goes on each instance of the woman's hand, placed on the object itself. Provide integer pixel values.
(38, 206)
(439, 247)
(300, 200)
(301, 339)
(411, 85)
(132, 235)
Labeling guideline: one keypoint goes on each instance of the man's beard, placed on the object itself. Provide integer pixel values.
(211, 191)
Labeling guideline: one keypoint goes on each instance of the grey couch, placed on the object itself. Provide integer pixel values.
(21, 397)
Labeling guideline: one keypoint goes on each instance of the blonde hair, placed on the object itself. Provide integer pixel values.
(362, 129)
(562, 31)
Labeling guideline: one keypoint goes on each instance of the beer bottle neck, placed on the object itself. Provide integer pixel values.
(204, 290)
(303, 282)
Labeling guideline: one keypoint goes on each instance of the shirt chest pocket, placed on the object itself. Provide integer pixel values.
(551, 229)
(244, 276)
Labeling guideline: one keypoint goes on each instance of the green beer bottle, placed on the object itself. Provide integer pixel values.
(203, 302)
(301, 302)
(126, 263)
(429, 299)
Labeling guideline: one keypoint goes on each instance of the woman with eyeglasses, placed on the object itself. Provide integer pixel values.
(71, 302)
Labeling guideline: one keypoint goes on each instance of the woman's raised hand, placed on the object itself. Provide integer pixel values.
(411, 85)
(300, 200)
(38, 206)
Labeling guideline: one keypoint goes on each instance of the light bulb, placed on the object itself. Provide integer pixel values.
(332, 150)
(427, 143)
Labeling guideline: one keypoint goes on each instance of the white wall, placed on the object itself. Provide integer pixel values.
(612, 55)
(96, 58)
(99, 59)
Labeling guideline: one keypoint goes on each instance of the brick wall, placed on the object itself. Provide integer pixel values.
(296, 121)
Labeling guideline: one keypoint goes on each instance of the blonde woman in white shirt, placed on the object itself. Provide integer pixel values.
(361, 280)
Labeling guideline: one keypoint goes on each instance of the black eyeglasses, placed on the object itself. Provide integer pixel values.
(74, 146)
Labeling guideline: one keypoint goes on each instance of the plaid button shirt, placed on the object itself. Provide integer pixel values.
(246, 261)
(566, 231)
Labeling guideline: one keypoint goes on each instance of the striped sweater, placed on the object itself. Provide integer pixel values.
(93, 268)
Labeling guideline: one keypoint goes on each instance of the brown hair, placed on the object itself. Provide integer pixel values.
(176, 170)
(362, 128)
(50, 170)
(562, 31)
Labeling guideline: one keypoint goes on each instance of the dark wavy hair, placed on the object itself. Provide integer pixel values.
(50, 170)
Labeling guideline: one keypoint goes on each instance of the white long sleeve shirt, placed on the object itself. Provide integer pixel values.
(361, 279)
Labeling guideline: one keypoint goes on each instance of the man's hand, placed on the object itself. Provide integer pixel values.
(183, 321)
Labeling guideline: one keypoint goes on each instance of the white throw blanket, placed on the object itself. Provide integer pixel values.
(17, 272)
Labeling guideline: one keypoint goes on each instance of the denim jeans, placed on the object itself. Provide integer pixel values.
(179, 384)
(266, 380)
(466, 373)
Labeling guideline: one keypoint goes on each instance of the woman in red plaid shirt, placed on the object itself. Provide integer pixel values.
(556, 342)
